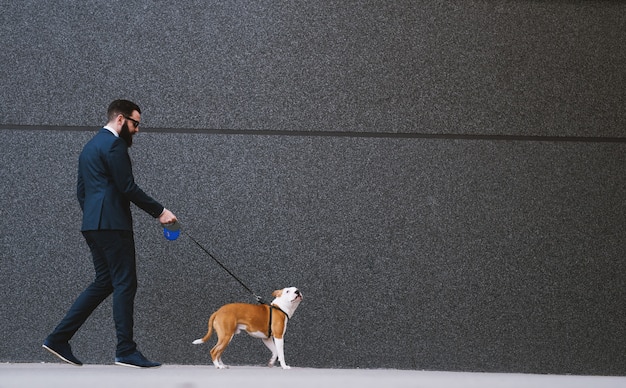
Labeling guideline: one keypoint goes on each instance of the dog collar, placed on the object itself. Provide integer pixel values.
(279, 309)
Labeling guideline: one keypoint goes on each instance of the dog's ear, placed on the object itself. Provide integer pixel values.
(277, 293)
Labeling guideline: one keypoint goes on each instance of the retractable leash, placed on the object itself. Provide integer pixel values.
(172, 231)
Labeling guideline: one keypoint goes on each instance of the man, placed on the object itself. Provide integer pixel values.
(105, 189)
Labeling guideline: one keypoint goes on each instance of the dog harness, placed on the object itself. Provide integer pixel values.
(269, 329)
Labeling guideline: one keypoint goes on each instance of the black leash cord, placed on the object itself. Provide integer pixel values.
(258, 298)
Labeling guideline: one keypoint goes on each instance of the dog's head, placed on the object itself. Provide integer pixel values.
(287, 299)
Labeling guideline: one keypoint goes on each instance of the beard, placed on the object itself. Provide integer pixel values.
(126, 135)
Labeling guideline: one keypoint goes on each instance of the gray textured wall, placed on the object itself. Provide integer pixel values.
(493, 247)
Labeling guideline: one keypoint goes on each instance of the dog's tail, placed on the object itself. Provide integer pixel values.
(208, 334)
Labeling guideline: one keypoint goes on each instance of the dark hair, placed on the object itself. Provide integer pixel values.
(123, 107)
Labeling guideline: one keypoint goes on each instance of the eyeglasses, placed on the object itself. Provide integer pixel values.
(133, 120)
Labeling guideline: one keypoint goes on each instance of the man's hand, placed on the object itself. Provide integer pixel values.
(167, 217)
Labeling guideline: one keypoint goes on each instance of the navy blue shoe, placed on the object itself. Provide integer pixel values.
(136, 360)
(63, 351)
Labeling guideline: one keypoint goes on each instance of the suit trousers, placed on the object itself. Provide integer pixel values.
(113, 253)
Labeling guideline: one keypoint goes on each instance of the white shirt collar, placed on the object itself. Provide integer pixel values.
(112, 131)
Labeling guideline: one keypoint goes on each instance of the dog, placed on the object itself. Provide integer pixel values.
(267, 322)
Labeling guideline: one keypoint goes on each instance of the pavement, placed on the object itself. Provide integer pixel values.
(53, 375)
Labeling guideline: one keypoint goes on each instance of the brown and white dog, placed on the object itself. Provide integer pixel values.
(268, 323)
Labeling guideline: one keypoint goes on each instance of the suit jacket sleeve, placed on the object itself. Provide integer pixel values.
(121, 170)
(80, 191)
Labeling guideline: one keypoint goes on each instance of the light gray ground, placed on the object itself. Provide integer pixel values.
(178, 376)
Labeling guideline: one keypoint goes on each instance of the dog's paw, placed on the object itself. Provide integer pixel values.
(286, 367)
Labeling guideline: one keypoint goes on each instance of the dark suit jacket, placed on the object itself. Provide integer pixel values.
(106, 185)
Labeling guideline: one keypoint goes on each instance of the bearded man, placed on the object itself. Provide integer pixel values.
(105, 189)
